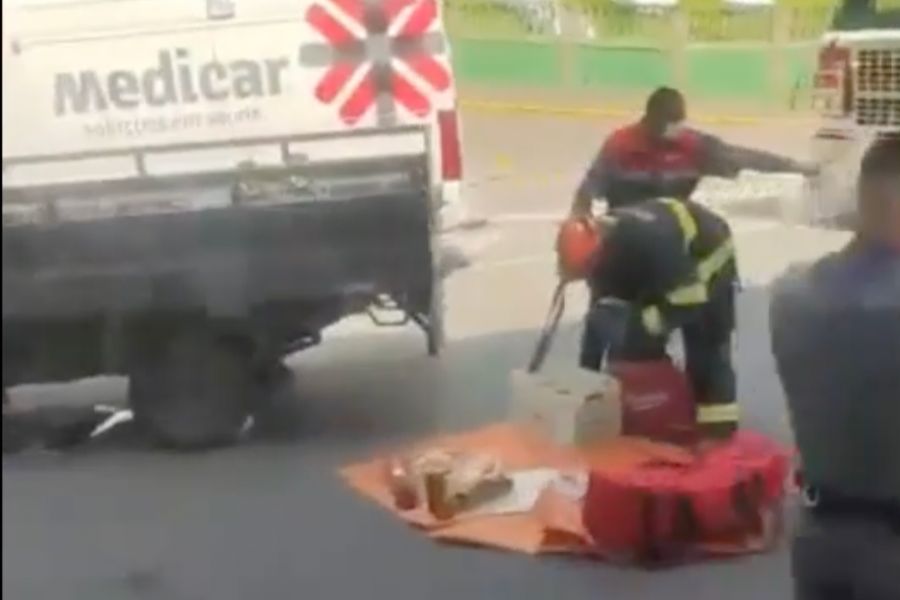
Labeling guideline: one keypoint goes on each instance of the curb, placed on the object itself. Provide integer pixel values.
(608, 113)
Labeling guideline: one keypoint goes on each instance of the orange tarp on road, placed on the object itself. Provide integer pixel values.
(554, 525)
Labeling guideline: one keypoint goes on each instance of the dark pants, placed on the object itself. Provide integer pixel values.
(616, 330)
(846, 558)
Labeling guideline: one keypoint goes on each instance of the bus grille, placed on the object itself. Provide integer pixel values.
(878, 112)
(878, 88)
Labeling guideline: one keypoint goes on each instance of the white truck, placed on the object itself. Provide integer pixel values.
(194, 188)
(857, 93)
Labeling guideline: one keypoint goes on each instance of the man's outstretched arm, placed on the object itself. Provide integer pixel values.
(722, 159)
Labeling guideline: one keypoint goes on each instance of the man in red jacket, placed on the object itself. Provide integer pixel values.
(658, 156)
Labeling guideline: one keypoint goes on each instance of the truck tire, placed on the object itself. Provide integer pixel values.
(194, 391)
(278, 413)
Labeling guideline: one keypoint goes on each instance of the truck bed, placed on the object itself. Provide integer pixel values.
(288, 245)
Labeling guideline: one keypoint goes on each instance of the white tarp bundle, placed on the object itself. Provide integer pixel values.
(781, 196)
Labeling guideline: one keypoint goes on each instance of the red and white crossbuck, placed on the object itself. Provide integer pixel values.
(378, 55)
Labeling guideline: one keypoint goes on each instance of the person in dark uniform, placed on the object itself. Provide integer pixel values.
(835, 330)
(659, 155)
(667, 265)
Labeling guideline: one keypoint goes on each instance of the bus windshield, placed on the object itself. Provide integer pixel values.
(854, 15)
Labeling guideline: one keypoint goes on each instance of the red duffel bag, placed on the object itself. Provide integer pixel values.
(768, 463)
(657, 401)
(658, 512)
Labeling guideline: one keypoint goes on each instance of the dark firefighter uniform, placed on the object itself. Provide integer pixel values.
(667, 265)
(836, 341)
(632, 167)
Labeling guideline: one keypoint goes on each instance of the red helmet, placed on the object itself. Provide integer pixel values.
(577, 245)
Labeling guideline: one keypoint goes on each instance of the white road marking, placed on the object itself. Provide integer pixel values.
(555, 217)
(740, 227)
(546, 257)
(477, 241)
(738, 224)
(116, 418)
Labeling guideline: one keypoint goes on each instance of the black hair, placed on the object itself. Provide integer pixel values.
(882, 159)
(662, 101)
(879, 191)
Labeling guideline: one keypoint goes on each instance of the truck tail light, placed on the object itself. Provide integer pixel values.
(834, 76)
(451, 152)
(828, 81)
(833, 57)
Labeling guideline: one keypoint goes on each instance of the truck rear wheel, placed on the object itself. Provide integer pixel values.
(192, 391)
(278, 413)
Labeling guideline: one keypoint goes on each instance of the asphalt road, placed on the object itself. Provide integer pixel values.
(116, 521)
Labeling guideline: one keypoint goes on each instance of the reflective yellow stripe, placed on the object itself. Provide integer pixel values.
(714, 263)
(696, 292)
(652, 320)
(693, 293)
(718, 413)
(685, 220)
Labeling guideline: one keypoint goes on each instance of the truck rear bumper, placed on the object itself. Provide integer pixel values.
(225, 261)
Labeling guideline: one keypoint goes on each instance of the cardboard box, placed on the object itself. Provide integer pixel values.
(572, 406)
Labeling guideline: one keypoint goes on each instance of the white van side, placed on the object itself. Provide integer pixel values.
(88, 82)
(181, 174)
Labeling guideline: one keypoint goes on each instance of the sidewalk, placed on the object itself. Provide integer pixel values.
(595, 104)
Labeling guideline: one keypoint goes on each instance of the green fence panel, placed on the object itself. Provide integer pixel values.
(742, 72)
(626, 69)
(534, 63)
(801, 62)
(729, 72)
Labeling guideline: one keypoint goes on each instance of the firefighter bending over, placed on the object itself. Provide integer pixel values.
(665, 265)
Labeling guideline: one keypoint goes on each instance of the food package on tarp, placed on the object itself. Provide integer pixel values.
(445, 482)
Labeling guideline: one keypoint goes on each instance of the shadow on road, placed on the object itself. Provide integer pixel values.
(367, 389)
(115, 521)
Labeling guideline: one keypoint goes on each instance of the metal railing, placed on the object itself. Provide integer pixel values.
(648, 20)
